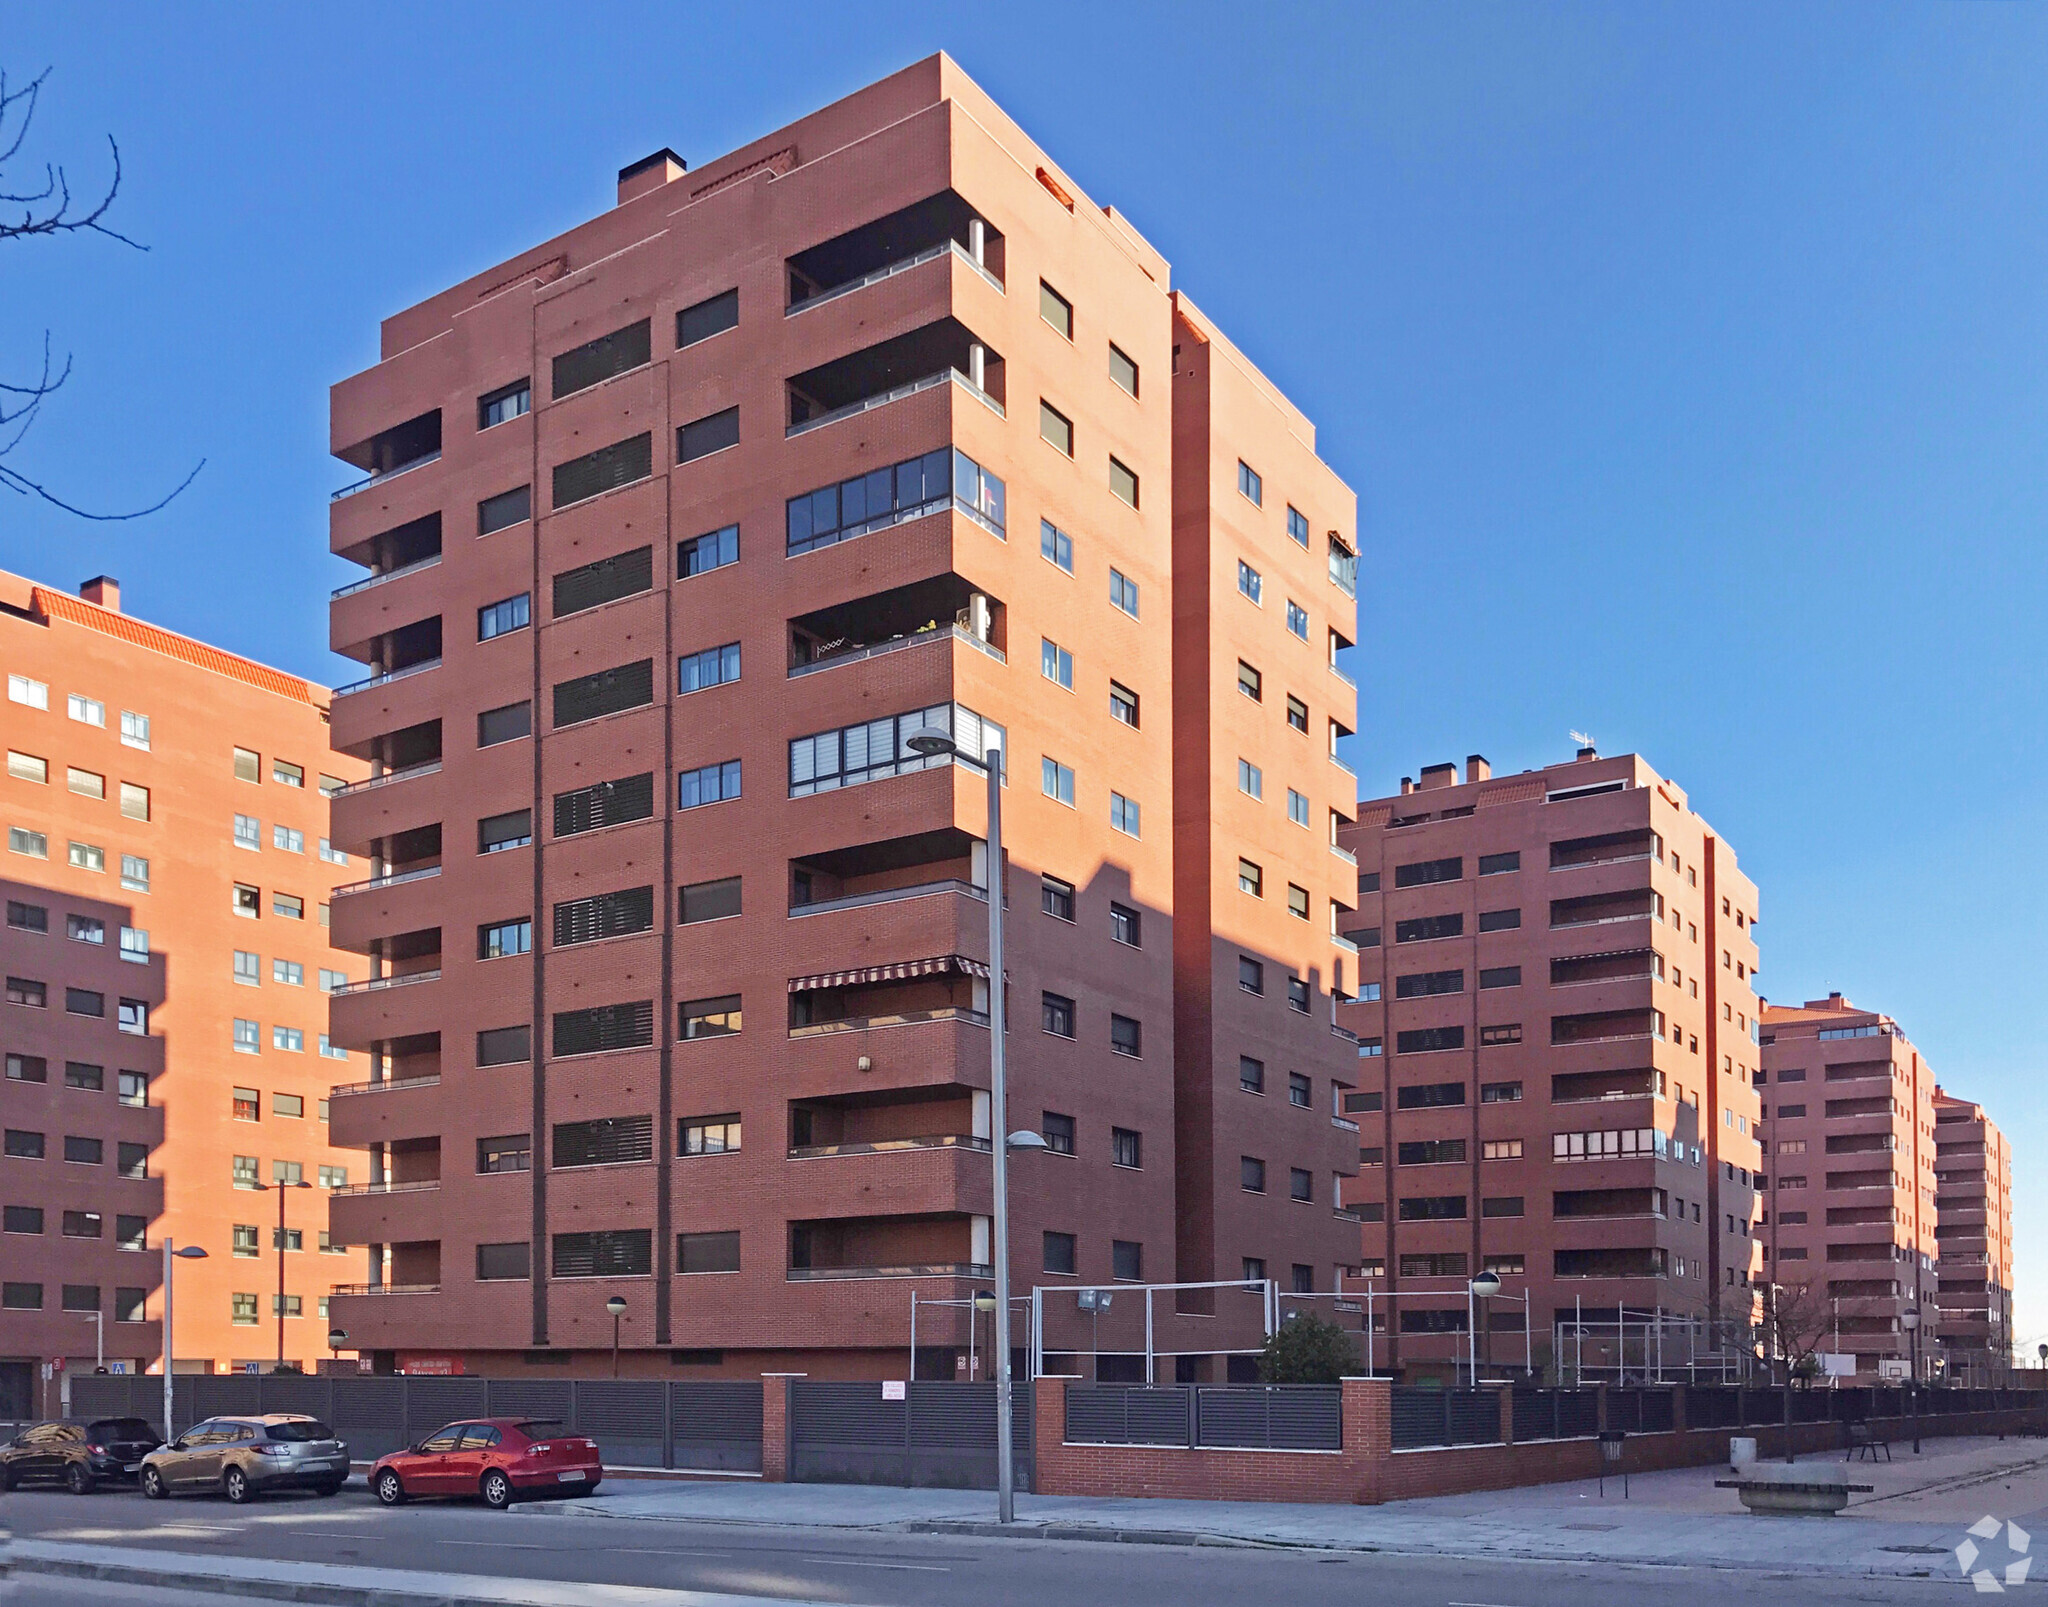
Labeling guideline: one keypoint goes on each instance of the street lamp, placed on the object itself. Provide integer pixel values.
(617, 1307)
(1909, 1319)
(336, 1338)
(1482, 1288)
(934, 743)
(191, 1252)
(281, 1186)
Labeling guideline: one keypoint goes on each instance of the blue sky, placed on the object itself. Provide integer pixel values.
(1688, 362)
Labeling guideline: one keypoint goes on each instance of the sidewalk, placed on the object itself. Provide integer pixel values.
(1908, 1525)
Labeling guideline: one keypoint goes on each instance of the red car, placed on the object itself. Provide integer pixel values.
(498, 1458)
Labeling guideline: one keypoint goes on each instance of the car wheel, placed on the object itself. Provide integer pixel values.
(390, 1491)
(331, 1487)
(153, 1485)
(78, 1479)
(497, 1490)
(234, 1484)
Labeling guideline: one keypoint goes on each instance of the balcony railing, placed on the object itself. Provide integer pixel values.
(1344, 1124)
(818, 1029)
(1339, 940)
(889, 895)
(886, 1146)
(929, 1269)
(395, 879)
(348, 1089)
(419, 1186)
(366, 583)
(1334, 670)
(1346, 855)
(932, 254)
(386, 1289)
(1341, 765)
(387, 677)
(388, 474)
(378, 984)
(1343, 1032)
(389, 778)
(1601, 920)
(896, 644)
(1610, 859)
(884, 398)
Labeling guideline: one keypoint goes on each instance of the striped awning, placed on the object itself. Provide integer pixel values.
(899, 971)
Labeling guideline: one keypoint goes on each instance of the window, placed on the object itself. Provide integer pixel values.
(1429, 1040)
(1251, 1174)
(1059, 1253)
(1499, 920)
(503, 405)
(512, 1152)
(84, 1151)
(1251, 974)
(1249, 485)
(1251, 1075)
(607, 1141)
(1055, 428)
(1251, 781)
(1253, 1267)
(32, 694)
(248, 1037)
(1123, 592)
(504, 938)
(1122, 371)
(246, 1240)
(504, 1046)
(597, 360)
(709, 317)
(1343, 566)
(1301, 1184)
(88, 856)
(606, 469)
(504, 1262)
(1251, 879)
(288, 906)
(21, 1296)
(1056, 1014)
(86, 783)
(1123, 483)
(84, 1002)
(714, 666)
(1297, 993)
(506, 509)
(1297, 526)
(131, 1233)
(1429, 1095)
(248, 833)
(495, 834)
(1434, 1208)
(22, 990)
(1505, 1033)
(288, 1105)
(248, 766)
(27, 1068)
(1123, 815)
(131, 1160)
(28, 917)
(1429, 871)
(134, 801)
(588, 920)
(1499, 864)
(1501, 976)
(1057, 1131)
(247, 1105)
(86, 710)
(701, 554)
(1125, 1035)
(707, 901)
(1297, 901)
(248, 968)
(135, 873)
(888, 496)
(619, 1253)
(31, 843)
(1056, 781)
(1056, 664)
(1297, 619)
(1501, 1149)
(1055, 309)
(1127, 1260)
(1300, 1091)
(708, 1252)
(289, 973)
(1125, 925)
(242, 1310)
(709, 784)
(1123, 704)
(1428, 928)
(85, 929)
(501, 618)
(712, 433)
(1423, 984)
(287, 1172)
(288, 838)
(1297, 807)
(286, 774)
(1250, 582)
(1055, 546)
(1297, 714)
(1126, 1148)
(1056, 898)
(708, 1135)
(710, 1018)
(876, 749)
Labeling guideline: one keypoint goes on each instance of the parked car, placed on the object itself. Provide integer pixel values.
(79, 1454)
(501, 1459)
(243, 1457)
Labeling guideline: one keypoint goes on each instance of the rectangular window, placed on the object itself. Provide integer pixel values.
(246, 1241)
(1434, 1208)
(1251, 878)
(1123, 482)
(1126, 1036)
(619, 1253)
(1249, 485)
(1429, 871)
(83, 1151)
(1297, 714)
(86, 783)
(595, 361)
(1251, 1174)
(1297, 901)
(21, 1296)
(1505, 1033)
(1250, 582)
(1251, 974)
(85, 1002)
(701, 554)
(1297, 993)
(1055, 309)
(131, 1233)
(496, 834)
(504, 1046)
(247, 1105)
(1122, 371)
(90, 1079)
(502, 618)
(1127, 1260)
(588, 586)
(708, 1135)
(607, 803)
(589, 920)
(31, 694)
(288, 1105)
(1301, 1183)
(249, 833)
(1499, 864)
(1300, 1091)
(1429, 1040)
(710, 1018)
(607, 1141)
(85, 929)
(606, 469)
(1059, 1253)
(134, 730)
(289, 906)
(1500, 920)
(288, 838)
(1251, 1075)
(1297, 619)
(503, 511)
(23, 1145)
(248, 1037)
(888, 496)
(1427, 928)
(27, 767)
(1297, 807)
(709, 784)
(1501, 976)
(714, 666)
(248, 766)
(329, 1052)
(511, 1152)
(1297, 526)
(1123, 704)
(1058, 1132)
(1422, 984)
(1126, 1148)
(286, 774)
(612, 691)
(1056, 1014)
(134, 801)
(707, 901)
(86, 710)
(28, 917)
(288, 972)
(712, 433)
(1251, 781)
(28, 1068)
(1055, 546)
(1056, 898)
(505, 938)
(333, 1177)
(1055, 428)
(1123, 815)
(511, 1261)
(248, 968)
(604, 1027)
(1343, 566)
(1123, 592)
(131, 1160)
(33, 844)
(1125, 925)
(504, 404)
(88, 856)
(708, 1252)
(709, 317)
(877, 749)
(1056, 781)
(507, 724)
(23, 990)
(1056, 664)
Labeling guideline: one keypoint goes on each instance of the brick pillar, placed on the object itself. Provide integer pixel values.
(775, 1426)
(1681, 1419)
(1368, 1414)
(1600, 1405)
(1049, 1431)
(1507, 1414)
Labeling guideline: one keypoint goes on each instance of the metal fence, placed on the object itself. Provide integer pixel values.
(708, 1425)
(1445, 1417)
(1264, 1417)
(1556, 1414)
(935, 1435)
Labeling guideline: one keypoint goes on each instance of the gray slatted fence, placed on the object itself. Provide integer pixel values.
(937, 1436)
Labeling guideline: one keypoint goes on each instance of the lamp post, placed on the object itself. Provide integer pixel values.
(281, 1186)
(934, 743)
(336, 1338)
(191, 1252)
(1481, 1289)
(981, 1304)
(617, 1307)
(1909, 1319)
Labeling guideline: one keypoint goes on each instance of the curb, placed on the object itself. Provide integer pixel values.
(1127, 1537)
(117, 1573)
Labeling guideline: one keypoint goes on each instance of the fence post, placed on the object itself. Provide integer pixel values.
(1600, 1406)
(1681, 1414)
(1507, 1414)
(1194, 1417)
(668, 1424)
(776, 1389)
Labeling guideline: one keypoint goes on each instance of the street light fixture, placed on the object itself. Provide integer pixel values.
(934, 743)
(336, 1338)
(1482, 1289)
(617, 1307)
(191, 1252)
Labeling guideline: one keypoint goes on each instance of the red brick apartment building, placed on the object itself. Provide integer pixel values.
(165, 948)
(1973, 1230)
(676, 527)
(1557, 1023)
(1850, 1120)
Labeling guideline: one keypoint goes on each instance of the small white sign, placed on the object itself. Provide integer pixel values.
(892, 1389)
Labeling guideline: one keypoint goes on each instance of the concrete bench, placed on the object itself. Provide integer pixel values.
(1794, 1487)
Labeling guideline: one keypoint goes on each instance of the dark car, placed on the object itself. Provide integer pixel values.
(80, 1454)
(501, 1459)
(243, 1457)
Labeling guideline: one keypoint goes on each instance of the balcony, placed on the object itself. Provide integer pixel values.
(928, 1269)
(908, 1245)
(1593, 1086)
(1610, 848)
(390, 453)
(1603, 909)
(1606, 1026)
(940, 353)
(889, 1146)
(386, 677)
(355, 1289)
(395, 879)
(389, 778)
(349, 1090)
(1616, 965)
(1346, 855)
(940, 225)
(944, 608)
(380, 984)
(358, 1190)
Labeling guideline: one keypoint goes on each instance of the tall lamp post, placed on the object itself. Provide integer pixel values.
(1909, 1319)
(281, 1187)
(934, 743)
(191, 1252)
(617, 1307)
(1480, 1290)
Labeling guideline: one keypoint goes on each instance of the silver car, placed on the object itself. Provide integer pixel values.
(243, 1457)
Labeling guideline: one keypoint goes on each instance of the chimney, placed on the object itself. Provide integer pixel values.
(650, 173)
(104, 590)
(1438, 775)
(1477, 769)
(1407, 785)
(1586, 753)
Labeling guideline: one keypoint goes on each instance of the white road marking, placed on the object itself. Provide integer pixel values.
(899, 1567)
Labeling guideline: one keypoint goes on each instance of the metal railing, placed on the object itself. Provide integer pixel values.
(854, 655)
(386, 677)
(1341, 765)
(388, 474)
(930, 254)
(930, 1269)
(890, 895)
(418, 1186)
(377, 984)
(389, 778)
(884, 398)
(1345, 854)
(394, 879)
(348, 1089)
(385, 1289)
(369, 581)
(887, 1146)
(905, 1018)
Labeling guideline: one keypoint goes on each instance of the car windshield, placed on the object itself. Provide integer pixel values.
(304, 1428)
(540, 1428)
(120, 1428)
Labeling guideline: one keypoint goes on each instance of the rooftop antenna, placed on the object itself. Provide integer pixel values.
(1582, 739)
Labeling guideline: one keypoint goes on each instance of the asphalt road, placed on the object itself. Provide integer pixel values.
(882, 1568)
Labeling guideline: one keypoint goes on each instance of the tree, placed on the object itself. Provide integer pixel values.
(43, 213)
(1308, 1350)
